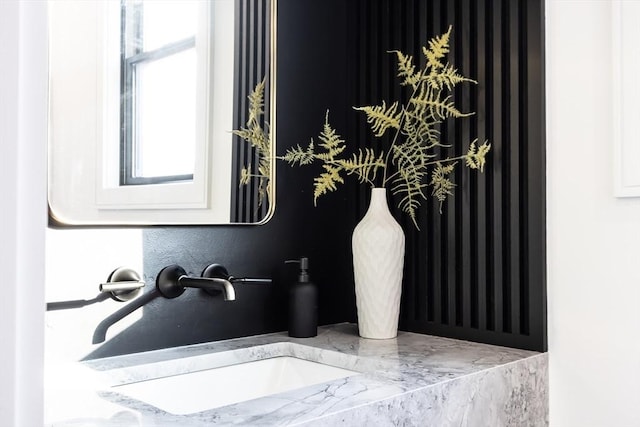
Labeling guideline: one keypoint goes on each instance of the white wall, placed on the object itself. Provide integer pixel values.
(23, 138)
(593, 239)
(77, 261)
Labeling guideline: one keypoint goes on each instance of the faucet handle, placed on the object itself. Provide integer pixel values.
(216, 271)
(123, 284)
(168, 281)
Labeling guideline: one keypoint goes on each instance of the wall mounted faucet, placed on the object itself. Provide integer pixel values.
(171, 283)
(173, 280)
(215, 279)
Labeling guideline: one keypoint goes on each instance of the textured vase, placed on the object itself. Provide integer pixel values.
(378, 262)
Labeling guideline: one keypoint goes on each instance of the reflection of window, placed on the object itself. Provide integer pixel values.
(86, 114)
(158, 91)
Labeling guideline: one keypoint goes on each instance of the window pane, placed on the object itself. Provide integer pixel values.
(165, 115)
(165, 21)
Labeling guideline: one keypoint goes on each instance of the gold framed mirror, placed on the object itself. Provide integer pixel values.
(144, 98)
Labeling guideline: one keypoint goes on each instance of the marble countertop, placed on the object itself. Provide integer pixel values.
(79, 394)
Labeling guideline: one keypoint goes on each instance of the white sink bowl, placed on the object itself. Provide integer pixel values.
(198, 391)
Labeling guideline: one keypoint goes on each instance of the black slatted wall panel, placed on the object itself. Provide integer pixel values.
(251, 66)
(476, 271)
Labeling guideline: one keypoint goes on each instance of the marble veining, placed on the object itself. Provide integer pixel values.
(411, 380)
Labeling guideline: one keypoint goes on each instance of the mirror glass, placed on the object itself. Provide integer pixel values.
(161, 111)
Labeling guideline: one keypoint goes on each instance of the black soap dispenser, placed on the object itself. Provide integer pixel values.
(303, 304)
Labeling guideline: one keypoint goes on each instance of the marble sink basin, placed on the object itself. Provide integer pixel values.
(260, 373)
(411, 380)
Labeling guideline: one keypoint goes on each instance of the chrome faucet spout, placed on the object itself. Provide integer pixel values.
(210, 284)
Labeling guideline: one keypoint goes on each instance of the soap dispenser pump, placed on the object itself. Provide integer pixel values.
(303, 304)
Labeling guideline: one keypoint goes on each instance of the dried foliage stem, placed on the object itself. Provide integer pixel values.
(412, 153)
(397, 133)
(258, 134)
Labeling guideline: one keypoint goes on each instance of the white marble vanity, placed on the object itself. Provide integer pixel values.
(411, 380)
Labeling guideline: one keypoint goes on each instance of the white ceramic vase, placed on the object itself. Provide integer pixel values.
(378, 262)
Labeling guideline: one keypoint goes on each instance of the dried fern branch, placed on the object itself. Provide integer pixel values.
(412, 156)
(363, 164)
(382, 118)
(257, 135)
(442, 185)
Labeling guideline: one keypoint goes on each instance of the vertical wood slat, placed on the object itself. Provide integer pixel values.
(524, 206)
(452, 231)
(238, 150)
(250, 62)
(421, 13)
(504, 185)
(535, 250)
(468, 271)
(513, 279)
(420, 289)
(481, 108)
(435, 220)
(495, 170)
(465, 284)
